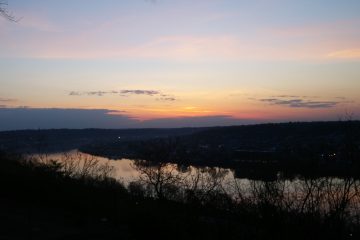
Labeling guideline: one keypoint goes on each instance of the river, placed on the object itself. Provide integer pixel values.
(326, 191)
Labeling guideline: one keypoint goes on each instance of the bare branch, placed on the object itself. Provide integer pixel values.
(4, 12)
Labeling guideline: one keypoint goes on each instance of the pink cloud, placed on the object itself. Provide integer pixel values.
(345, 54)
(336, 28)
(268, 45)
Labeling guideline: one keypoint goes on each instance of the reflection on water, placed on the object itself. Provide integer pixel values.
(127, 170)
(123, 169)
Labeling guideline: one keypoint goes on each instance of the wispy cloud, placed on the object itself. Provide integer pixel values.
(189, 47)
(300, 103)
(140, 92)
(166, 99)
(160, 96)
(74, 93)
(7, 100)
(321, 29)
(97, 93)
(288, 96)
(345, 54)
(185, 47)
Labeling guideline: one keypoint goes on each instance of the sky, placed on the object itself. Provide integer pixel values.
(178, 63)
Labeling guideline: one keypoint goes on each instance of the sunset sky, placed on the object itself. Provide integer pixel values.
(176, 63)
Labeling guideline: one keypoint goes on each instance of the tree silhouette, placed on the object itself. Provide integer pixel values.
(4, 12)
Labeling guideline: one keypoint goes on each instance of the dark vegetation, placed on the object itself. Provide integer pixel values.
(42, 200)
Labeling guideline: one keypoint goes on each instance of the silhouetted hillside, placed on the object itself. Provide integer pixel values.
(54, 140)
(330, 148)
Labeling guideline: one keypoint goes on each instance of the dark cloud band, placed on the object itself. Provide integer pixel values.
(300, 103)
(53, 118)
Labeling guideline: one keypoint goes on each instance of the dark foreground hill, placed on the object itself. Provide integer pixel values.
(42, 201)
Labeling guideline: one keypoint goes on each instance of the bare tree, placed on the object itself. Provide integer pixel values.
(203, 184)
(78, 165)
(161, 177)
(158, 171)
(4, 12)
(84, 167)
(312, 196)
(340, 194)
